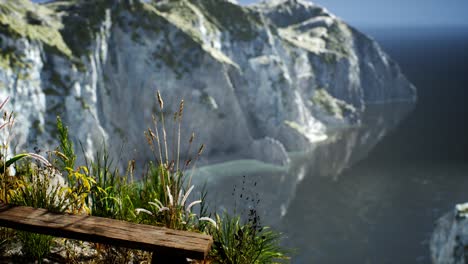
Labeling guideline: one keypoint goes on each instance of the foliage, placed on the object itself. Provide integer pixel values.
(67, 160)
(6, 235)
(240, 237)
(112, 194)
(176, 212)
(167, 187)
(249, 242)
(35, 246)
(8, 184)
(162, 197)
(37, 190)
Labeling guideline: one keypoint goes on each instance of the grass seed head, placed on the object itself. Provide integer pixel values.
(200, 151)
(160, 100)
(181, 108)
(191, 137)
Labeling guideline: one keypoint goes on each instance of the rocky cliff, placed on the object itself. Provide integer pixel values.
(283, 87)
(449, 241)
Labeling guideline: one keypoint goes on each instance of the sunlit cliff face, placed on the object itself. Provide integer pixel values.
(279, 85)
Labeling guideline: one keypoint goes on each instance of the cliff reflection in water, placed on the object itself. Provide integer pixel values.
(277, 186)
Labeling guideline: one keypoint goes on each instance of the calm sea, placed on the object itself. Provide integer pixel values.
(383, 209)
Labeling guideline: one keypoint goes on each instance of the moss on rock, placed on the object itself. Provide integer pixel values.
(10, 58)
(81, 21)
(335, 39)
(24, 19)
(240, 22)
(330, 104)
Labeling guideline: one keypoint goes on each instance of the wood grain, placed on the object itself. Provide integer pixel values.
(107, 231)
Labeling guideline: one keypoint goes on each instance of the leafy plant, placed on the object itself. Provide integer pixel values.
(241, 238)
(37, 191)
(8, 183)
(68, 157)
(177, 214)
(112, 195)
(242, 243)
(8, 121)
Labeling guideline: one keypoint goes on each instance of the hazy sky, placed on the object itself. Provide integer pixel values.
(397, 12)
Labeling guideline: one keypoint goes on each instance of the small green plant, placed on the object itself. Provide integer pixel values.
(37, 191)
(67, 160)
(245, 242)
(6, 235)
(9, 183)
(112, 195)
(35, 246)
(240, 237)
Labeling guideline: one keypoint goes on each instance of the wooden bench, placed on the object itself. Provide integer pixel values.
(167, 245)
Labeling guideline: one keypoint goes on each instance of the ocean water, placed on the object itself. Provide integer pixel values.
(383, 209)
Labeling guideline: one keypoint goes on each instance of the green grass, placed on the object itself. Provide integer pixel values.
(112, 195)
(242, 242)
(35, 246)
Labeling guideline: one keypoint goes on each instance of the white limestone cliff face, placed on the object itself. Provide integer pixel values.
(273, 85)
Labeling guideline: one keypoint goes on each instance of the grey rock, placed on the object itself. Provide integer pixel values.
(449, 241)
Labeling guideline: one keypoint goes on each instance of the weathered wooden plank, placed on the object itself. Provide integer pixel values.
(107, 231)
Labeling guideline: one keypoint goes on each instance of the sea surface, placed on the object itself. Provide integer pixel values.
(384, 208)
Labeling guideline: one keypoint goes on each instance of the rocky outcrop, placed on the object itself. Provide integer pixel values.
(271, 84)
(449, 242)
